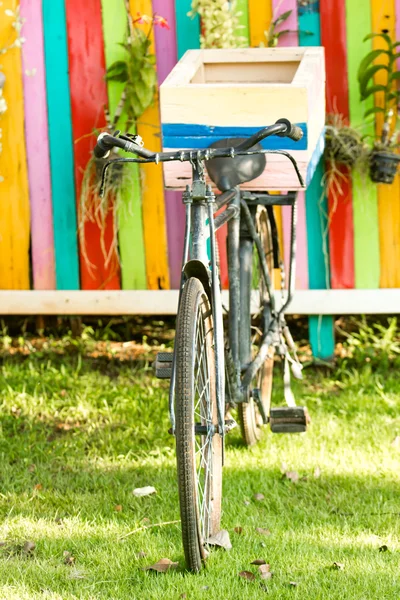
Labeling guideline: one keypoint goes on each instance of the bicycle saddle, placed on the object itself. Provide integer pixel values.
(226, 173)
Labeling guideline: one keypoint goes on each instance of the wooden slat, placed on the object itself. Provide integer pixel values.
(278, 8)
(365, 209)
(98, 252)
(242, 6)
(384, 18)
(153, 207)
(14, 195)
(187, 29)
(321, 326)
(130, 222)
(340, 204)
(165, 302)
(37, 147)
(60, 143)
(260, 15)
(291, 39)
(166, 51)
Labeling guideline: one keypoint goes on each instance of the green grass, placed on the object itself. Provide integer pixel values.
(78, 434)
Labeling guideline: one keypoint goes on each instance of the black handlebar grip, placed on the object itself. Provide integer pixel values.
(295, 133)
(101, 149)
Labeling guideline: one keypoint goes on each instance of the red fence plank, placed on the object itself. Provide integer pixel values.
(340, 206)
(88, 99)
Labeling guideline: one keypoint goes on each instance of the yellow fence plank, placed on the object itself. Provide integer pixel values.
(155, 235)
(384, 18)
(260, 15)
(14, 194)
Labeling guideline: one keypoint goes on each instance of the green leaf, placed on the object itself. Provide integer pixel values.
(368, 59)
(118, 71)
(149, 76)
(282, 18)
(394, 76)
(373, 90)
(385, 36)
(373, 111)
(394, 95)
(368, 76)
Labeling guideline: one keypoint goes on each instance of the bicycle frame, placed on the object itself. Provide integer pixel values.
(199, 260)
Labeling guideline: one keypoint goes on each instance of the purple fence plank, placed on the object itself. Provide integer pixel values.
(37, 146)
(166, 50)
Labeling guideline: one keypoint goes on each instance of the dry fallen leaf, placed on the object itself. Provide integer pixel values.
(141, 554)
(246, 502)
(144, 491)
(292, 476)
(75, 574)
(162, 566)
(38, 486)
(338, 566)
(264, 571)
(396, 442)
(259, 497)
(29, 547)
(183, 595)
(263, 531)
(259, 561)
(383, 548)
(118, 507)
(68, 558)
(220, 539)
(247, 575)
(317, 472)
(238, 530)
(32, 468)
(293, 583)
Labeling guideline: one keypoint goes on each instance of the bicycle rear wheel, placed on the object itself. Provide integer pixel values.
(198, 447)
(250, 418)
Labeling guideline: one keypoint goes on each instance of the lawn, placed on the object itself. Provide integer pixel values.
(81, 428)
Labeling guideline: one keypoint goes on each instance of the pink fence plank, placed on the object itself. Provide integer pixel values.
(37, 146)
(291, 39)
(278, 8)
(165, 40)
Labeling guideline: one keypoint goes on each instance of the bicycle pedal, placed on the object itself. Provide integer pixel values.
(163, 365)
(289, 419)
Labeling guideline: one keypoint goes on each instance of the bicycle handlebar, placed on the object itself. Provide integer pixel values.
(106, 142)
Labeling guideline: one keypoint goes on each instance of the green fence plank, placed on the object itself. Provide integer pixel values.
(187, 29)
(130, 220)
(242, 6)
(60, 145)
(365, 197)
(321, 331)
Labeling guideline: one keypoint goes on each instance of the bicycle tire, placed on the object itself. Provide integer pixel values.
(199, 457)
(249, 414)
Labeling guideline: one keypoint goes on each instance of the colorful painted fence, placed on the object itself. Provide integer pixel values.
(57, 96)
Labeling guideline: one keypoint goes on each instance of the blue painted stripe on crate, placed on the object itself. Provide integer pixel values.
(315, 158)
(182, 135)
(60, 143)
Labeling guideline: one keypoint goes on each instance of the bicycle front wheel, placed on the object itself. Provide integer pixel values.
(198, 445)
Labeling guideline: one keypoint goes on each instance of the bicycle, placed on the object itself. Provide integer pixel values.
(209, 376)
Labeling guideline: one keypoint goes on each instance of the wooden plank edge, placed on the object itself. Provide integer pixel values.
(165, 302)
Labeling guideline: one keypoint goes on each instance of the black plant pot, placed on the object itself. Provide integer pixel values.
(383, 166)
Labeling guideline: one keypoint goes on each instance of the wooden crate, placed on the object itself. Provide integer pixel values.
(215, 94)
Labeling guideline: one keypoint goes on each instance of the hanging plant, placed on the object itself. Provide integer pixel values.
(384, 157)
(136, 71)
(219, 23)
